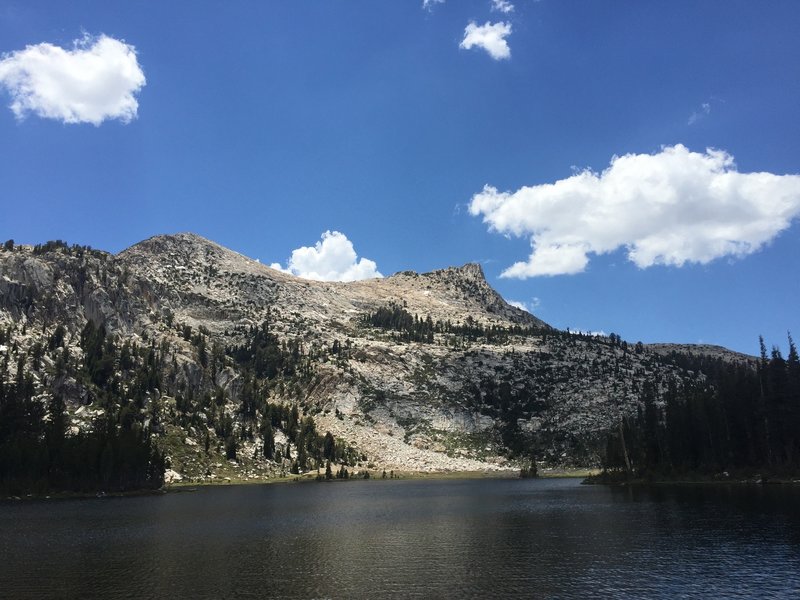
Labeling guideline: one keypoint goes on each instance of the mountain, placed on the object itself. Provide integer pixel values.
(415, 372)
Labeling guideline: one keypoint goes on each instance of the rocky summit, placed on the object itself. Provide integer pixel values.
(412, 372)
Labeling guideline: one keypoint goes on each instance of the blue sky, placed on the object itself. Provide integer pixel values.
(262, 125)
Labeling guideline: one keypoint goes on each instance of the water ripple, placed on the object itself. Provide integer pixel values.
(409, 539)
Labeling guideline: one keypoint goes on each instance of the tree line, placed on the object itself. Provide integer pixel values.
(116, 454)
(262, 358)
(740, 417)
(412, 328)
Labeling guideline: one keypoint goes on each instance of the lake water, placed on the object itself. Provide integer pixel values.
(408, 539)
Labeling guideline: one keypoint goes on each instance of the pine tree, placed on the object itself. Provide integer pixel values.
(269, 439)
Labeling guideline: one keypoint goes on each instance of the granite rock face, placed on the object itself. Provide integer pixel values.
(458, 401)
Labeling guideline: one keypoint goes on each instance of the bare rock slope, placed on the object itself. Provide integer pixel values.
(423, 372)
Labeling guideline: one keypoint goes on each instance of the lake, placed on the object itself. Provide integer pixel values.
(476, 538)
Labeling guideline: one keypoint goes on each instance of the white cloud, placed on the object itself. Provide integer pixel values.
(333, 258)
(703, 111)
(95, 81)
(668, 208)
(429, 4)
(503, 6)
(490, 37)
(279, 267)
(590, 333)
(526, 306)
(518, 304)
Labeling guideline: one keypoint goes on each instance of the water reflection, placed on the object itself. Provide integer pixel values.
(442, 539)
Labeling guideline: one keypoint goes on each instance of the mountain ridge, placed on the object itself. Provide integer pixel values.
(430, 371)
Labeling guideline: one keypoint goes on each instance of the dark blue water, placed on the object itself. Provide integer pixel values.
(409, 539)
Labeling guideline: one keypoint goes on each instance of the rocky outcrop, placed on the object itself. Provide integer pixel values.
(460, 400)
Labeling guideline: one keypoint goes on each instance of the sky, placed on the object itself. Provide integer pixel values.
(626, 166)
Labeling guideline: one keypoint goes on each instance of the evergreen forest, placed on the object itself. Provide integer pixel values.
(737, 419)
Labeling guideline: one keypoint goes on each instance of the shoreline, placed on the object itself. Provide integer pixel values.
(376, 475)
(738, 478)
(84, 495)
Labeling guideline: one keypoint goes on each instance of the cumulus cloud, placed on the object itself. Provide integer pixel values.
(669, 208)
(490, 37)
(503, 6)
(96, 80)
(333, 258)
